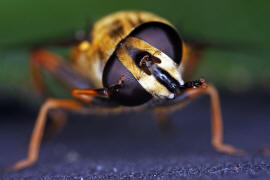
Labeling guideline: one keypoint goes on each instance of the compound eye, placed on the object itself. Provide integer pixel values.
(161, 36)
(131, 93)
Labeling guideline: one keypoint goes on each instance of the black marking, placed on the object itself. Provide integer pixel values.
(133, 24)
(143, 59)
(166, 79)
(136, 54)
(116, 29)
(101, 54)
(191, 84)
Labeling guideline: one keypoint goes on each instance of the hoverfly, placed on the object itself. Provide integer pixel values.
(132, 61)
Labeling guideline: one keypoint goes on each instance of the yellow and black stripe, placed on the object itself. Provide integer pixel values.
(165, 75)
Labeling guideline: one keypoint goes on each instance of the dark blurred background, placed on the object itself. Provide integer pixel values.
(240, 71)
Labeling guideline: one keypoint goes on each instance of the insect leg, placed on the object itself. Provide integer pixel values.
(38, 130)
(52, 63)
(37, 79)
(87, 95)
(161, 116)
(58, 120)
(216, 118)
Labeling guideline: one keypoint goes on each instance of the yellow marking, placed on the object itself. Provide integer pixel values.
(185, 54)
(84, 46)
(166, 62)
(148, 82)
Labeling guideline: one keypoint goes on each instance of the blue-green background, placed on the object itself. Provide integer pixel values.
(242, 23)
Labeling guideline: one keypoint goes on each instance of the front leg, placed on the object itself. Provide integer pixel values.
(38, 130)
(53, 104)
(216, 118)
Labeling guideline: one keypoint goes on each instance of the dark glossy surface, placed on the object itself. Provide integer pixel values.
(162, 37)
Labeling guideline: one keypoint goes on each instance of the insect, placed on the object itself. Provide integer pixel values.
(132, 61)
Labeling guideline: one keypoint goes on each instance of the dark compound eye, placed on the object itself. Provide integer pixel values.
(159, 35)
(131, 92)
(162, 37)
